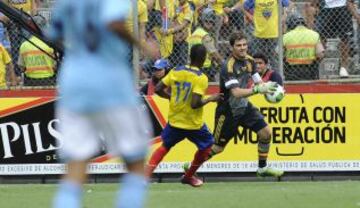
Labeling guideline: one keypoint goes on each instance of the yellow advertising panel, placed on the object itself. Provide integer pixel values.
(311, 132)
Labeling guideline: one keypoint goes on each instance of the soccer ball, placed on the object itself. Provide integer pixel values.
(276, 96)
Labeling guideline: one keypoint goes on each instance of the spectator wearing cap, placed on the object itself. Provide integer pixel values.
(159, 70)
(35, 59)
(201, 35)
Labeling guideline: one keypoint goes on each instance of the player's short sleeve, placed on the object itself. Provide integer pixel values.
(114, 10)
(167, 79)
(228, 78)
(200, 85)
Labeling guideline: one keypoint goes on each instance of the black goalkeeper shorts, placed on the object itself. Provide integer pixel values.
(226, 125)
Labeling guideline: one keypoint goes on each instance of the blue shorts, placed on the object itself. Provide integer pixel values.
(202, 138)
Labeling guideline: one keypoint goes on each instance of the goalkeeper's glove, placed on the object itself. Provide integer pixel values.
(263, 88)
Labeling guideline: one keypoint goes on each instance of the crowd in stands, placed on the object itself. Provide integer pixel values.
(305, 31)
(173, 26)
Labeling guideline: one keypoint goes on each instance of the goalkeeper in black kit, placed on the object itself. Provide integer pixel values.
(236, 110)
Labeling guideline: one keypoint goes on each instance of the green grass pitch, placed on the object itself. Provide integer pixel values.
(340, 194)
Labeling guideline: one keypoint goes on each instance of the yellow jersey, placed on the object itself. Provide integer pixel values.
(184, 13)
(4, 60)
(142, 16)
(25, 5)
(218, 6)
(198, 4)
(266, 19)
(184, 81)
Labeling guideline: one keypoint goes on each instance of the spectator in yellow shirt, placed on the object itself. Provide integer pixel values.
(167, 16)
(221, 16)
(6, 69)
(142, 19)
(181, 28)
(266, 25)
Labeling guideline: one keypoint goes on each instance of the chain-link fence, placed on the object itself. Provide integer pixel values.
(302, 40)
(309, 41)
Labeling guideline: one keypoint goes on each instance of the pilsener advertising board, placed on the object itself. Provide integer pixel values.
(310, 132)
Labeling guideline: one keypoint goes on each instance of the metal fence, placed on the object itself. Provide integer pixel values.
(337, 29)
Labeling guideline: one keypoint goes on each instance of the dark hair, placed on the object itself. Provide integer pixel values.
(261, 56)
(236, 36)
(197, 53)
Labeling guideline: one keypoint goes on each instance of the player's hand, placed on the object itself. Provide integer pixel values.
(216, 97)
(266, 87)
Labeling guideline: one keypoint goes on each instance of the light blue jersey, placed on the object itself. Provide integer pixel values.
(96, 72)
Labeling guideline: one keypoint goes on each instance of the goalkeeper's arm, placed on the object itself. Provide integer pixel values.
(236, 91)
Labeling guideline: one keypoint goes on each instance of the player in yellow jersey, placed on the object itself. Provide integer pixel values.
(188, 87)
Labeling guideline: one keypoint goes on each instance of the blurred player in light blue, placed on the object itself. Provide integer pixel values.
(98, 94)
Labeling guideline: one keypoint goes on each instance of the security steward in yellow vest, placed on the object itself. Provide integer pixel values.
(37, 65)
(303, 50)
(201, 35)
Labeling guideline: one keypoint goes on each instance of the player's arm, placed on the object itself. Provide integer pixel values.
(198, 92)
(232, 83)
(262, 88)
(160, 90)
(198, 101)
(162, 87)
